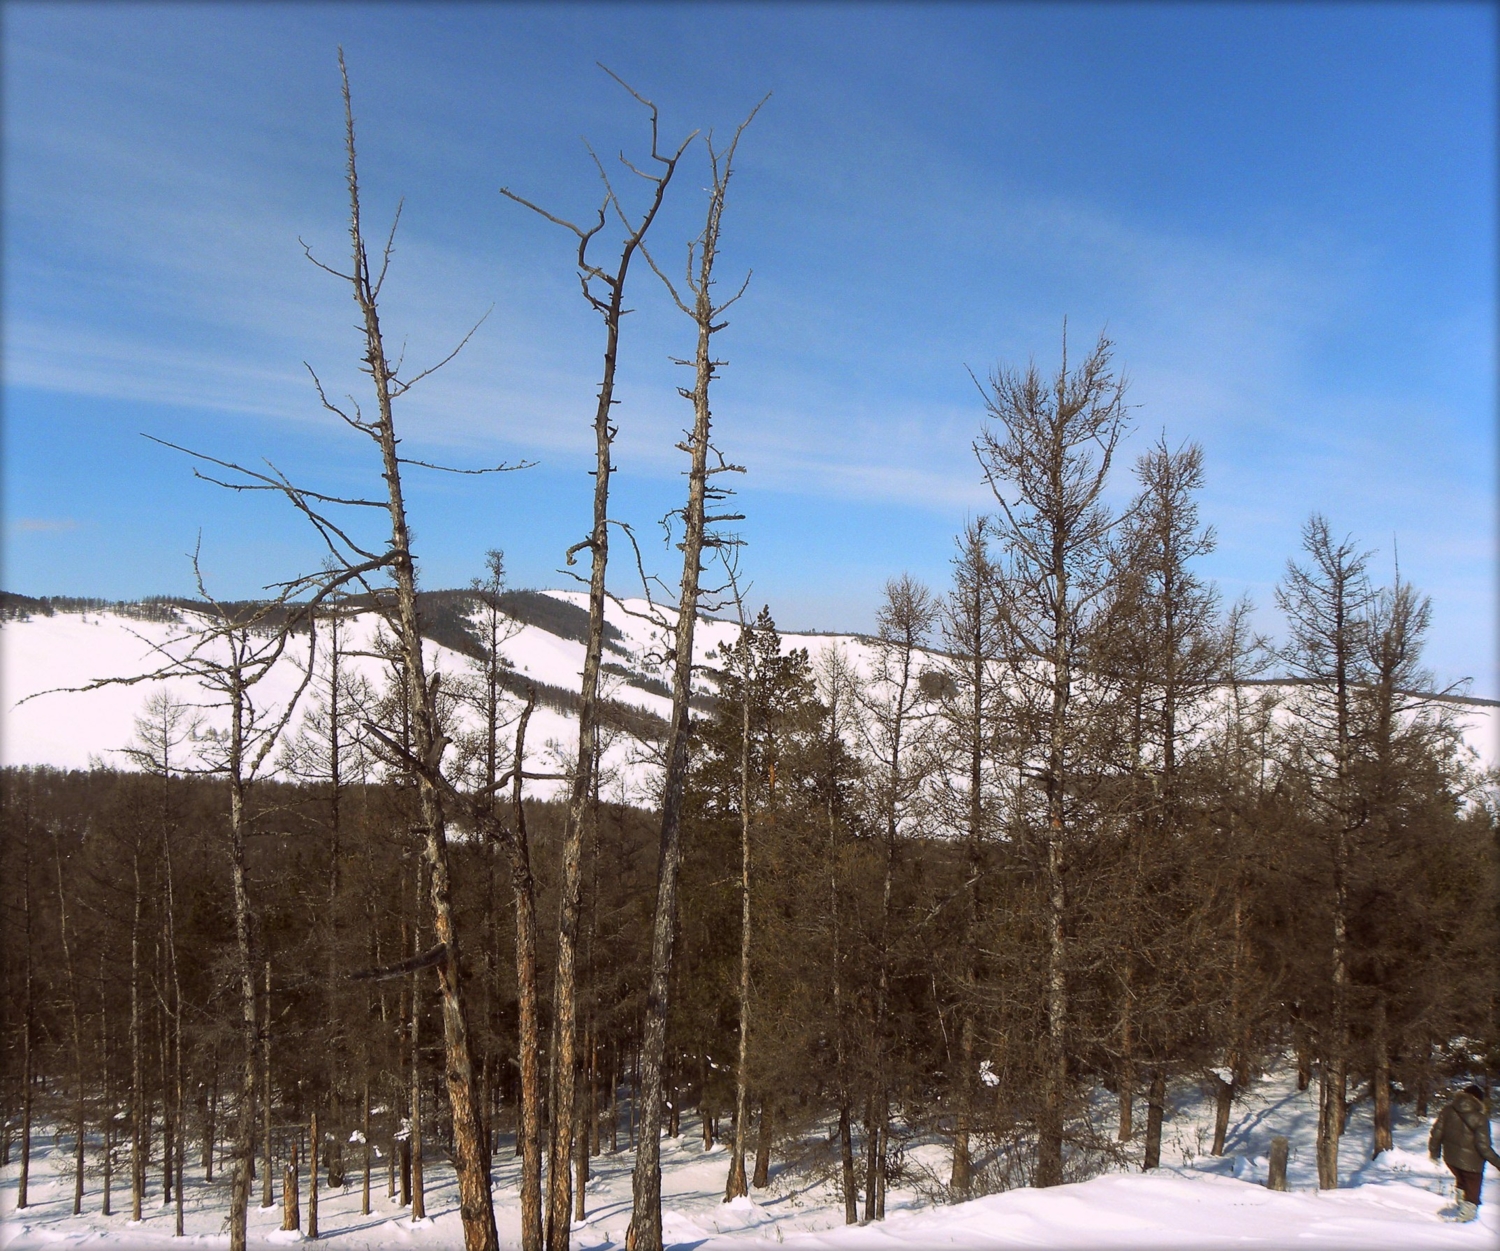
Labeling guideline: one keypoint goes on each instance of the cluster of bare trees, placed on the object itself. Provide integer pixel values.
(1070, 824)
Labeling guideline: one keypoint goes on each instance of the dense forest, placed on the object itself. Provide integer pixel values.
(1076, 826)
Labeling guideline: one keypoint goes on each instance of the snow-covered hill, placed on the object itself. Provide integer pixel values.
(48, 650)
(46, 655)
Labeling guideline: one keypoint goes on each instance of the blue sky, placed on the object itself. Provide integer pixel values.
(1284, 215)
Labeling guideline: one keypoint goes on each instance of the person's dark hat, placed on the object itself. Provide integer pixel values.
(1472, 1089)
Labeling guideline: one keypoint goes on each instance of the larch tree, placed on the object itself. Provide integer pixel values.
(1326, 603)
(896, 716)
(1047, 458)
(967, 750)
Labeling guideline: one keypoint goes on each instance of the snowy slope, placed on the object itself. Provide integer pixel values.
(1193, 1201)
(46, 723)
(70, 649)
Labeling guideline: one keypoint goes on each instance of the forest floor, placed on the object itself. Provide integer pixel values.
(1194, 1200)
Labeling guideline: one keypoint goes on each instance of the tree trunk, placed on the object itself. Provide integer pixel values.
(404, 1151)
(580, 1155)
(846, 1165)
(210, 1120)
(1380, 1080)
(291, 1207)
(735, 1186)
(137, 1075)
(77, 1029)
(312, 1176)
(1055, 1079)
(763, 1146)
(107, 1107)
(529, 1042)
(418, 1188)
(961, 1174)
(27, 1060)
(1276, 1173)
(872, 1156)
(1223, 1099)
(244, 1133)
(705, 1105)
(1333, 1071)
(594, 1109)
(1127, 1058)
(611, 308)
(1156, 1099)
(364, 1191)
(267, 1198)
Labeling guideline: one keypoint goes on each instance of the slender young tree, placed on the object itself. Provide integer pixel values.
(838, 689)
(968, 729)
(742, 660)
(895, 726)
(75, 1022)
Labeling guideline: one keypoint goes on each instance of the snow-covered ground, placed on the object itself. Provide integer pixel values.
(1193, 1201)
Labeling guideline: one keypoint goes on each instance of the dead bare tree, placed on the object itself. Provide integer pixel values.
(604, 290)
(644, 1233)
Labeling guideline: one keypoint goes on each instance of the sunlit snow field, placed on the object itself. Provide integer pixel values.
(1194, 1200)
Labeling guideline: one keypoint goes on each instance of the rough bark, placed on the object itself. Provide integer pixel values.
(1156, 1098)
(1223, 1099)
(267, 1196)
(291, 1206)
(762, 1175)
(846, 1166)
(313, 1144)
(1380, 1080)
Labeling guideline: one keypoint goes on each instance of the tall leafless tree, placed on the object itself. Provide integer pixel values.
(697, 301)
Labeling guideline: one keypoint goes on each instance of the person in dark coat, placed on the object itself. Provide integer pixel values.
(1461, 1135)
